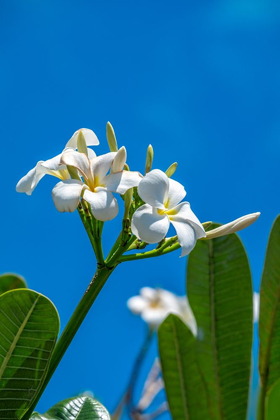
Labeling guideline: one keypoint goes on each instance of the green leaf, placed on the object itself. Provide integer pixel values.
(29, 327)
(10, 281)
(220, 293)
(269, 322)
(272, 406)
(184, 386)
(82, 408)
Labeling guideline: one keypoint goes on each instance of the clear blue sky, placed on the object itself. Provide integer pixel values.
(199, 80)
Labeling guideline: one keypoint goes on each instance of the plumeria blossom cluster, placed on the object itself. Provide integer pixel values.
(91, 179)
(154, 305)
(152, 202)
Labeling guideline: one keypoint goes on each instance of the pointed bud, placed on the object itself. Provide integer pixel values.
(73, 173)
(127, 202)
(171, 170)
(119, 161)
(149, 159)
(81, 143)
(206, 225)
(111, 138)
(233, 226)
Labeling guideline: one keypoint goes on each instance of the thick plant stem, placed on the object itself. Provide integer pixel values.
(93, 290)
(150, 254)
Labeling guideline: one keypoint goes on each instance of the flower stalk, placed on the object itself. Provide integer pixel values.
(69, 332)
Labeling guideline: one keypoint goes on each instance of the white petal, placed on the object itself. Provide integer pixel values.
(154, 316)
(53, 164)
(122, 181)
(182, 213)
(119, 161)
(187, 314)
(153, 188)
(66, 195)
(101, 165)
(90, 138)
(103, 204)
(167, 299)
(91, 154)
(256, 306)
(27, 183)
(176, 193)
(148, 225)
(186, 236)
(78, 160)
(136, 304)
(148, 293)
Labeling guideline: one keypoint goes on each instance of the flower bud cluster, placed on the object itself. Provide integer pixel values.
(152, 202)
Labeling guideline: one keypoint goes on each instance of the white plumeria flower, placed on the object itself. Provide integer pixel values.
(151, 222)
(154, 305)
(256, 306)
(96, 187)
(28, 183)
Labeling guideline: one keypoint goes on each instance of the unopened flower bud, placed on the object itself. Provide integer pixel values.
(171, 170)
(149, 159)
(233, 226)
(206, 225)
(73, 172)
(111, 138)
(119, 161)
(127, 202)
(81, 143)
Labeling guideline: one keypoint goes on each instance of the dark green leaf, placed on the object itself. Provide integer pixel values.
(82, 408)
(10, 281)
(184, 386)
(269, 323)
(29, 326)
(220, 293)
(272, 409)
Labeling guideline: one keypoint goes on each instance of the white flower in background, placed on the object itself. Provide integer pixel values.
(96, 187)
(28, 183)
(154, 305)
(151, 221)
(256, 306)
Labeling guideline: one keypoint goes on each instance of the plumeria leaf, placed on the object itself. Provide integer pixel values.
(220, 293)
(272, 403)
(269, 321)
(11, 281)
(185, 389)
(82, 408)
(29, 327)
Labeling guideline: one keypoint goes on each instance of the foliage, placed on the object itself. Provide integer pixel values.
(82, 408)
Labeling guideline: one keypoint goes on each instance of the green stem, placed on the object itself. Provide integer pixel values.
(114, 247)
(116, 257)
(150, 254)
(93, 290)
(97, 231)
(93, 232)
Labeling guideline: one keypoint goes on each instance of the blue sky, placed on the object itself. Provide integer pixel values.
(198, 80)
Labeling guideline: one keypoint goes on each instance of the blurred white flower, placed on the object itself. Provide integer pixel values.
(96, 187)
(151, 221)
(153, 305)
(52, 166)
(256, 306)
